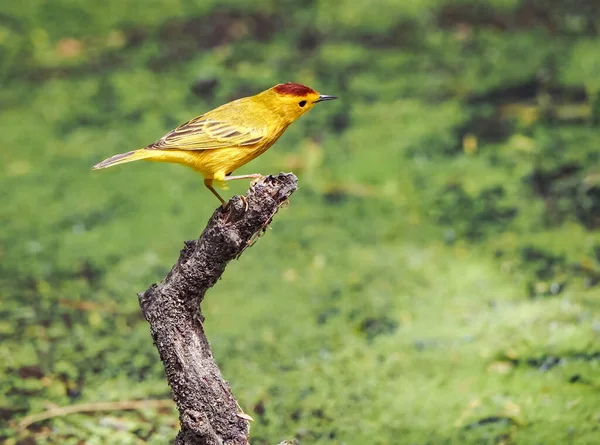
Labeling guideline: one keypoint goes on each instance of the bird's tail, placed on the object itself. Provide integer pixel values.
(122, 158)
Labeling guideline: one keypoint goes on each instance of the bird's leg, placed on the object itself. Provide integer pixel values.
(208, 184)
(254, 176)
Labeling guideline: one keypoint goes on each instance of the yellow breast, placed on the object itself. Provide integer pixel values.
(212, 164)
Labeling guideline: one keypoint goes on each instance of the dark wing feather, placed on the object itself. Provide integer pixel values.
(204, 133)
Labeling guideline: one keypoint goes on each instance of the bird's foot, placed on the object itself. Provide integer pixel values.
(257, 179)
(245, 201)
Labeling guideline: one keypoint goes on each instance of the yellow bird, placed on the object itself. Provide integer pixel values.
(222, 140)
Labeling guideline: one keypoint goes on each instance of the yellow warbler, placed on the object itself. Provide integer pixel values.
(222, 140)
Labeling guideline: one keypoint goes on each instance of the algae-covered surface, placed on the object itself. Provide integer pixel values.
(435, 279)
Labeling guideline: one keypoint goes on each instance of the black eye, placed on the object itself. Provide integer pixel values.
(302, 103)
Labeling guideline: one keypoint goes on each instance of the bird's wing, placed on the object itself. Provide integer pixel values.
(204, 133)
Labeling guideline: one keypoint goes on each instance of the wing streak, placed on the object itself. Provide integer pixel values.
(204, 133)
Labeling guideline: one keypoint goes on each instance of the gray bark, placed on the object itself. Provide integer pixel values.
(208, 411)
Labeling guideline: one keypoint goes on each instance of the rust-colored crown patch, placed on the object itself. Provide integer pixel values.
(293, 89)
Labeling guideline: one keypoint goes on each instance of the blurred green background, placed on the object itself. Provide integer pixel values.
(435, 279)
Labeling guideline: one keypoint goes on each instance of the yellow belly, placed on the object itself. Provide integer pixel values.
(213, 164)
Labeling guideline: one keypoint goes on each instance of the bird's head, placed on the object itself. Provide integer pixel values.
(292, 100)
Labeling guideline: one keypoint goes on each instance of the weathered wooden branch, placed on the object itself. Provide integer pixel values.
(208, 411)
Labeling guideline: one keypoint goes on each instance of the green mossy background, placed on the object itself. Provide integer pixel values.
(435, 279)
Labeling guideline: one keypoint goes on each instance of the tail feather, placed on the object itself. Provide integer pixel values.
(122, 158)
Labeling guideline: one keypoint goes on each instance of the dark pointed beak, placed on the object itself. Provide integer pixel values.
(324, 97)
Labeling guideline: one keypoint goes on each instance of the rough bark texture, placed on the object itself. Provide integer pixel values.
(208, 412)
